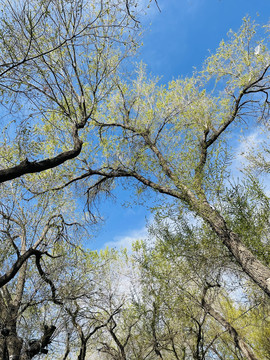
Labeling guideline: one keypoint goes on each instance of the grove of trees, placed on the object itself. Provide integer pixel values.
(79, 118)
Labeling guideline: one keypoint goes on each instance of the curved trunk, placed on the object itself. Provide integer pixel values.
(256, 270)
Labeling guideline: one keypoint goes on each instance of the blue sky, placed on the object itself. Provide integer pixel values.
(182, 35)
(175, 41)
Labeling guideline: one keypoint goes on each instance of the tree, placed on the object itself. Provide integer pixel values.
(72, 124)
(58, 59)
(187, 288)
(60, 297)
(38, 230)
(94, 302)
(174, 139)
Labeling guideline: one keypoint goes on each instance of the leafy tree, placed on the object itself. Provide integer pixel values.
(58, 59)
(38, 230)
(196, 313)
(175, 140)
(62, 296)
(90, 299)
(71, 124)
(87, 300)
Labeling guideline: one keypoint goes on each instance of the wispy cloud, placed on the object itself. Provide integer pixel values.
(249, 144)
(125, 241)
(247, 154)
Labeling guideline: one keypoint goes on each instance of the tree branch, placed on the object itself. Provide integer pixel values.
(31, 167)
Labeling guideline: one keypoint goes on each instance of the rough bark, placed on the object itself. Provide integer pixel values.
(37, 347)
(254, 268)
(11, 345)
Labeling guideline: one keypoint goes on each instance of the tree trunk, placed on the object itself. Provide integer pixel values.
(258, 272)
(82, 353)
(3, 349)
(14, 346)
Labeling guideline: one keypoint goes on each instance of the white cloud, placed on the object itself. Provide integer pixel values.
(249, 144)
(125, 241)
(250, 147)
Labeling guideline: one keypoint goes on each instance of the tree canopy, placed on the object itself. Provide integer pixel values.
(76, 118)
